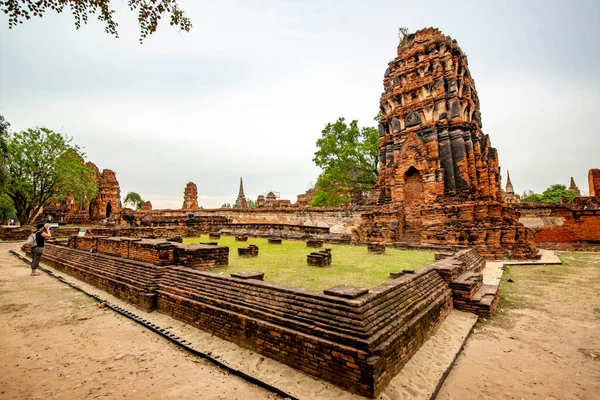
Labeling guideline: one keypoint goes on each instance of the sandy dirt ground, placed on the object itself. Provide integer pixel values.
(57, 343)
(545, 341)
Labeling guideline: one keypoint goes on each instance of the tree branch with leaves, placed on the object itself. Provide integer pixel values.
(150, 12)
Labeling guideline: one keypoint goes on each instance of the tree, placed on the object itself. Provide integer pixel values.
(251, 203)
(556, 193)
(329, 192)
(44, 164)
(7, 210)
(149, 13)
(226, 205)
(530, 197)
(348, 157)
(4, 125)
(134, 200)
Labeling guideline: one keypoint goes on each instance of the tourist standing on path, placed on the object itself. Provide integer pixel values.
(43, 232)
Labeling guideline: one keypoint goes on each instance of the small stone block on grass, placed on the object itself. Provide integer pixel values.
(214, 235)
(376, 248)
(241, 238)
(248, 252)
(274, 240)
(249, 275)
(319, 258)
(314, 243)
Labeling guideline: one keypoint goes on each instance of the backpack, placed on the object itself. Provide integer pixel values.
(31, 240)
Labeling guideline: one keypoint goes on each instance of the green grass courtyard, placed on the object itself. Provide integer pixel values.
(285, 263)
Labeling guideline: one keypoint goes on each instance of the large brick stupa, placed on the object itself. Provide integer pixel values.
(439, 180)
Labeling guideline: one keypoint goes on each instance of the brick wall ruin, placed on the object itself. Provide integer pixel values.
(355, 338)
(155, 251)
(574, 226)
(439, 180)
(567, 226)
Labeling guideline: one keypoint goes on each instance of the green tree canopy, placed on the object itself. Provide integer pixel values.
(44, 164)
(7, 210)
(554, 194)
(348, 156)
(149, 13)
(134, 200)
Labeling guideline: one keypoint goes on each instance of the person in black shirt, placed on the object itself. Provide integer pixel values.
(43, 232)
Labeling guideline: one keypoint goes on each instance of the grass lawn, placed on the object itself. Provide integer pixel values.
(285, 263)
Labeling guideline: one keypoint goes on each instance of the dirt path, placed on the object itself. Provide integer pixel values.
(545, 341)
(81, 351)
(56, 343)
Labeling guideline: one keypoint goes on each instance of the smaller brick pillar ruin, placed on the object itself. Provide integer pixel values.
(594, 182)
(190, 197)
(147, 206)
(241, 201)
(108, 200)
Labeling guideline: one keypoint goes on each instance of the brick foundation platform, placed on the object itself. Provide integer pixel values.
(356, 338)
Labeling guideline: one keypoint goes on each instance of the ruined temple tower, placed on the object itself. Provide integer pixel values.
(439, 180)
(190, 197)
(509, 194)
(573, 187)
(241, 202)
(108, 199)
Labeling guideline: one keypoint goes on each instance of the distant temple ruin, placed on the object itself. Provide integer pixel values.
(439, 180)
(241, 201)
(190, 197)
(510, 196)
(106, 204)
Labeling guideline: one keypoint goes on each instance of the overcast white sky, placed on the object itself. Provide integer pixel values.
(247, 92)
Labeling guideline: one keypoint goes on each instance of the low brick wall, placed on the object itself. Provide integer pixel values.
(574, 226)
(356, 339)
(132, 281)
(155, 251)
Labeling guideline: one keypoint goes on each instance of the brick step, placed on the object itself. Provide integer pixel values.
(131, 273)
(103, 259)
(234, 298)
(304, 297)
(207, 294)
(400, 324)
(467, 282)
(146, 273)
(484, 302)
(191, 310)
(254, 309)
(290, 304)
(126, 279)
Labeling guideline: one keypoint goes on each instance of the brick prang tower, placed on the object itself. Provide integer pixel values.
(439, 180)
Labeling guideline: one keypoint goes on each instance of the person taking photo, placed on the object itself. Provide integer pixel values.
(43, 232)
